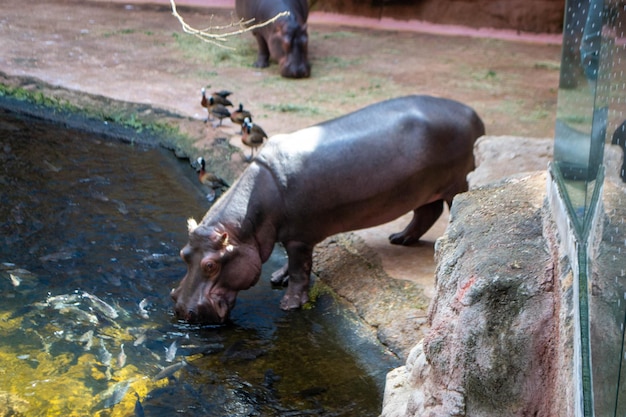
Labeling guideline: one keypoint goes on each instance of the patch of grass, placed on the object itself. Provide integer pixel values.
(236, 52)
(130, 121)
(482, 80)
(548, 65)
(292, 108)
(119, 32)
(333, 62)
(490, 74)
(508, 106)
(318, 290)
(206, 74)
(37, 97)
(128, 118)
(538, 113)
(333, 35)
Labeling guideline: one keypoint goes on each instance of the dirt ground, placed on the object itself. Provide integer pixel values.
(137, 52)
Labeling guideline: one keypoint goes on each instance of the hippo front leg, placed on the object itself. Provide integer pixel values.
(299, 274)
(263, 56)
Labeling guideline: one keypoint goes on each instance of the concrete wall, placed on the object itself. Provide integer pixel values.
(539, 16)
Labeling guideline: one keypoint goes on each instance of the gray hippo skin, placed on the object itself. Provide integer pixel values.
(285, 40)
(359, 170)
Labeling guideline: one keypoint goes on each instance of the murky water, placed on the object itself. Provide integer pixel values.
(90, 232)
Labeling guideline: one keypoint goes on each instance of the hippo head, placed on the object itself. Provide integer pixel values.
(217, 269)
(294, 39)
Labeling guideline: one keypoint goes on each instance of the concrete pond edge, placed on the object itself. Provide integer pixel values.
(393, 310)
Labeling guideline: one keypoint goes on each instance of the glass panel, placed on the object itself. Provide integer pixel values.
(580, 123)
(591, 112)
(607, 305)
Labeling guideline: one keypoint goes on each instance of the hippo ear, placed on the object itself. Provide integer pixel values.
(191, 225)
(223, 240)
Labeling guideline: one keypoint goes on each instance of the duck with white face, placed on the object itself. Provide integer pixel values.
(252, 136)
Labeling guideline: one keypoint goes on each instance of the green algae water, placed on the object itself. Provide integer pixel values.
(90, 231)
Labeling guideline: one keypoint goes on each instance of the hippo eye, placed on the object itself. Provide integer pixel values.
(209, 267)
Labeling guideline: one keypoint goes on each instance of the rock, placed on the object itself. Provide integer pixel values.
(499, 157)
(395, 309)
(491, 347)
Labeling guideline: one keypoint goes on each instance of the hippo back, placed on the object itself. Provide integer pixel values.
(394, 150)
(263, 10)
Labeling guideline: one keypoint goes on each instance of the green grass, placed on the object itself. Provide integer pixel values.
(292, 108)
(334, 62)
(333, 35)
(126, 118)
(119, 32)
(538, 113)
(37, 98)
(548, 65)
(235, 52)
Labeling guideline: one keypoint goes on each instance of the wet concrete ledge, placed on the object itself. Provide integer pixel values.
(136, 123)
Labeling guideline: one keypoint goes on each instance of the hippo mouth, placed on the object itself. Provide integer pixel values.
(290, 69)
(214, 309)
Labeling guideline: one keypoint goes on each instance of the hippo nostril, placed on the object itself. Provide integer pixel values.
(191, 316)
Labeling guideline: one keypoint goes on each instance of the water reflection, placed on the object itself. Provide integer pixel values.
(90, 233)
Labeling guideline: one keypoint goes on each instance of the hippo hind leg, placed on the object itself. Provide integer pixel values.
(423, 218)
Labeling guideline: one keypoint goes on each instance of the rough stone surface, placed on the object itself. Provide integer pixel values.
(502, 320)
(498, 157)
(491, 349)
(396, 309)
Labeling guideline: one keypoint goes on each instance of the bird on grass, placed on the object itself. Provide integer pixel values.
(239, 116)
(215, 103)
(253, 136)
(210, 180)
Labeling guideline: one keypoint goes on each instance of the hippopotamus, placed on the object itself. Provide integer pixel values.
(285, 40)
(360, 170)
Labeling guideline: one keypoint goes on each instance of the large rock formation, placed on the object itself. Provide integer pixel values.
(502, 321)
(499, 331)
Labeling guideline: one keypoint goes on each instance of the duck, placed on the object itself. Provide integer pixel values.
(239, 116)
(216, 99)
(253, 135)
(209, 179)
(220, 111)
(222, 93)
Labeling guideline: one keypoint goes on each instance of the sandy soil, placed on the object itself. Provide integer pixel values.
(138, 53)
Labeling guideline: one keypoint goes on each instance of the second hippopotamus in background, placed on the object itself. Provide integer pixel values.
(360, 170)
(285, 40)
